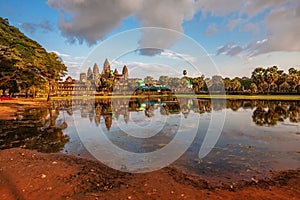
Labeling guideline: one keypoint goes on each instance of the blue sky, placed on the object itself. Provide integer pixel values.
(236, 36)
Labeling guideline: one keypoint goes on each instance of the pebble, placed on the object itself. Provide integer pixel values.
(254, 180)
(49, 188)
(43, 176)
(129, 197)
(54, 162)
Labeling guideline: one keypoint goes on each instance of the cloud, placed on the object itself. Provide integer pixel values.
(233, 23)
(74, 69)
(168, 14)
(279, 21)
(63, 55)
(31, 28)
(283, 33)
(212, 30)
(217, 8)
(250, 27)
(149, 51)
(230, 49)
(178, 56)
(140, 69)
(92, 20)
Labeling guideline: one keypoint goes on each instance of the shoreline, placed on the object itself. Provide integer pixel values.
(28, 174)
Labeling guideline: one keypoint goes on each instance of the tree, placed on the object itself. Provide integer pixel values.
(198, 83)
(163, 80)
(258, 78)
(24, 63)
(271, 76)
(293, 79)
(236, 84)
(282, 79)
(253, 87)
(245, 83)
(227, 83)
(148, 80)
(284, 87)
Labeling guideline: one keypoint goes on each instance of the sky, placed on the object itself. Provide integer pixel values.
(228, 37)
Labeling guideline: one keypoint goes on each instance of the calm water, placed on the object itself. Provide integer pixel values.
(257, 136)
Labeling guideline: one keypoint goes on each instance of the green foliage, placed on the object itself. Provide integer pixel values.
(25, 64)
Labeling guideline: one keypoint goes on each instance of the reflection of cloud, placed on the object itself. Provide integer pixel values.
(31, 28)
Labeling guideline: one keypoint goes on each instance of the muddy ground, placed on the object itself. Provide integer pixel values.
(27, 174)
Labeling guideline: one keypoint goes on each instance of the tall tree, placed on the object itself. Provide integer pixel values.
(24, 63)
(259, 78)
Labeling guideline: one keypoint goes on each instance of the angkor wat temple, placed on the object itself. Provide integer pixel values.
(105, 83)
(95, 83)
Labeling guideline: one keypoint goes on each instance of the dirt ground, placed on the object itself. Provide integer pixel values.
(27, 174)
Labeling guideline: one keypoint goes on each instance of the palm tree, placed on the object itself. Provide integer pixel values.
(259, 78)
(293, 78)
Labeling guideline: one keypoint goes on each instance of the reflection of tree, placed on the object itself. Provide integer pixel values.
(36, 129)
(294, 113)
(262, 117)
(49, 141)
(234, 104)
(108, 120)
(149, 111)
(271, 112)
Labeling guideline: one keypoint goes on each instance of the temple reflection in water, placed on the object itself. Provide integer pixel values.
(265, 113)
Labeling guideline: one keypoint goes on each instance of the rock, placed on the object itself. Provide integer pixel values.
(43, 176)
(254, 180)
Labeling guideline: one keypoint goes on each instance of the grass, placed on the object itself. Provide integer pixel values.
(200, 96)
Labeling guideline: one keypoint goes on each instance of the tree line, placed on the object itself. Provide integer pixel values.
(268, 80)
(25, 65)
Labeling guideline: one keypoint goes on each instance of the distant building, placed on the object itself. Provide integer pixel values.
(82, 77)
(92, 82)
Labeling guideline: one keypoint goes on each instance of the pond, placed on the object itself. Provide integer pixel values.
(255, 136)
